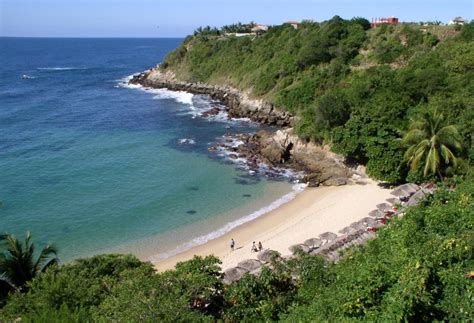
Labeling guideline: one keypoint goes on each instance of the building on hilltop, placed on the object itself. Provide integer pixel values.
(457, 21)
(389, 20)
(259, 28)
(293, 23)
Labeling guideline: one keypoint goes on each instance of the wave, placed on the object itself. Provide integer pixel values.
(187, 141)
(297, 188)
(179, 96)
(60, 68)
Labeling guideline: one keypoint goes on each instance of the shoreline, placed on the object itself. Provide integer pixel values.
(312, 212)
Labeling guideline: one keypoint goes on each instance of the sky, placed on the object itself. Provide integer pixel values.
(178, 18)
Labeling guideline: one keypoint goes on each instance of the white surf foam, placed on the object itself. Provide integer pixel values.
(297, 188)
(186, 141)
(59, 68)
(178, 96)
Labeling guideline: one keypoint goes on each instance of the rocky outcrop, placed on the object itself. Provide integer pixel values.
(321, 166)
(280, 149)
(283, 149)
(238, 104)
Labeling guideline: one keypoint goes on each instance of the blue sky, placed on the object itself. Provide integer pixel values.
(177, 18)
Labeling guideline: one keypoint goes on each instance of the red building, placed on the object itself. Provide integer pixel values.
(390, 20)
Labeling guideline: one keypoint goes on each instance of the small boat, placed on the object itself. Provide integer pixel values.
(26, 77)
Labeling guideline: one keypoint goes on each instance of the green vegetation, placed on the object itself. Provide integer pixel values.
(418, 269)
(432, 141)
(18, 264)
(352, 86)
(390, 97)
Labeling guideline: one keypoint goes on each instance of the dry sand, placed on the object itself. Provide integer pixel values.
(313, 211)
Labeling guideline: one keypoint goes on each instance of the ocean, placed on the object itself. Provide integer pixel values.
(93, 165)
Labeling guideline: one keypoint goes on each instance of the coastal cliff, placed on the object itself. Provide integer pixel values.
(280, 149)
(238, 103)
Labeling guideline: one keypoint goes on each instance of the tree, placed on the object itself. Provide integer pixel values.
(17, 260)
(432, 142)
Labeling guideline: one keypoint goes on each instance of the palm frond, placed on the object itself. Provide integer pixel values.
(46, 253)
(448, 156)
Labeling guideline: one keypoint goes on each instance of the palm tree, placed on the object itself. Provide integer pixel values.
(432, 142)
(17, 260)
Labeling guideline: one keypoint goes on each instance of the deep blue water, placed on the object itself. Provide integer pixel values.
(91, 165)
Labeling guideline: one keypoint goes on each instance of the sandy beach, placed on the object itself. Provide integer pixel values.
(310, 213)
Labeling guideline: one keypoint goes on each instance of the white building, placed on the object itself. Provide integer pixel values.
(458, 21)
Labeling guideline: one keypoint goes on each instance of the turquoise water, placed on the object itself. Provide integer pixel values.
(97, 167)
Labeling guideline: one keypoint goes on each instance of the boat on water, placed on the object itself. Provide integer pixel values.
(26, 77)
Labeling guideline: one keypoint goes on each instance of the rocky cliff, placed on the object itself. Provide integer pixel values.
(238, 103)
(285, 149)
(282, 148)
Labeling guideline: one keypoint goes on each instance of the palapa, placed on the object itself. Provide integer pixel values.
(267, 255)
(299, 247)
(348, 230)
(384, 207)
(376, 214)
(234, 274)
(358, 226)
(313, 243)
(328, 236)
(250, 264)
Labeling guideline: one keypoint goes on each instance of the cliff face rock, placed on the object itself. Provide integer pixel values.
(283, 148)
(238, 104)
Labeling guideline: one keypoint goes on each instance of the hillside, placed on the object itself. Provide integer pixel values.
(348, 85)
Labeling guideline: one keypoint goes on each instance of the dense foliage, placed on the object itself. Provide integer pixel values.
(353, 86)
(360, 89)
(418, 269)
(19, 263)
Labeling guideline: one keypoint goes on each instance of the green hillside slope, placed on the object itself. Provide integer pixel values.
(352, 86)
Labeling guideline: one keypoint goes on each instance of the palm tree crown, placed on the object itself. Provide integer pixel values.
(431, 142)
(17, 260)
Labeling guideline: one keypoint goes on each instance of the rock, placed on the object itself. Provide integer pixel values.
(313, 180)
(238, 103)
(273, 153)
(212, 112)
(335, 182)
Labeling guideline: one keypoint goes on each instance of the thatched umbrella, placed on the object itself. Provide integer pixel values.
(234, 274)
(384, 207)
(368, 221)
(299, 247)
(376, 214)
(410, 188)
(412, 202)
(328, 236)
(348, 230)
(267, 255)
(393, 200)
(398, 192)
(250, 264)
(358, 226)
(313, 243)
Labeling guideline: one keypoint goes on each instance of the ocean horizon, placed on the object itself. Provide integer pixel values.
(94, 165)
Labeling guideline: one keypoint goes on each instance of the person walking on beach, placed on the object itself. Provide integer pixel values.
(232, 244)
(254, 247)
(260, 246)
